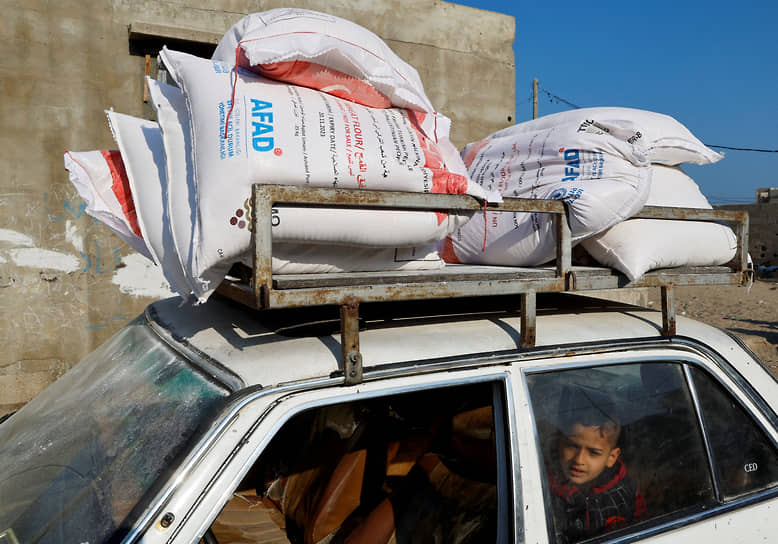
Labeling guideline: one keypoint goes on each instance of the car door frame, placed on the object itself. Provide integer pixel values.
(684, 351)
(213, 472)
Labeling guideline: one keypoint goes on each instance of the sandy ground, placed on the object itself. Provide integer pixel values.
(750, 314)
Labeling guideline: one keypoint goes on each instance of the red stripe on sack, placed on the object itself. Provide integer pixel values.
(120, 186)
(443, 180)
(239, 57)
(432, 158)
(472, 150)
(447, 252)
(353, 44)
(328, 80)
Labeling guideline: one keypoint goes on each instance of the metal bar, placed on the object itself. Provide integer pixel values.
(528, 328)
(720, 275)
(266, 294)
(446, 274)
(146, 72)
(349, 342)
(585, 283)
(668, 311)
(705, 432)
(295, 298)
(292, 296)
(742, 245)
(689, 214)
(261, 219)
(292, 195)
(564, 245)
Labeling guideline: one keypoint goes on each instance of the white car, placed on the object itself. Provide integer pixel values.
(214, 420)
(504, 418)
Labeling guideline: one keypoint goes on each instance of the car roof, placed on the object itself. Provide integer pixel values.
(274, 347)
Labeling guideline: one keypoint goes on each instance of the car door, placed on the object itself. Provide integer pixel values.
(426, 458)
(692, 449)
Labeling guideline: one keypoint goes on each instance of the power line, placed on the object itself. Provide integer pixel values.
(743, 148)
(552, 97)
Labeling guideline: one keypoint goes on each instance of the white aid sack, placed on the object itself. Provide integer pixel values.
(180, 200)
(310, 226)
(285, 134)
(101, 180)
(598, 169)
(335, 56)
(325, 259)
(140, 143)
(666, 140)
(323, 52)
(638, 245)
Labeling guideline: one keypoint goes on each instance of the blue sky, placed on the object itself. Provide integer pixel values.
(712, 65)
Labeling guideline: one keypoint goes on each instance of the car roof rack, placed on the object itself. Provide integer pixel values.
(261, 289)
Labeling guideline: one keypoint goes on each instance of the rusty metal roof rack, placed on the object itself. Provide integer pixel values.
(348, 290)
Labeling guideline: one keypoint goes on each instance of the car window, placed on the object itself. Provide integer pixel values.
(620, 445)
(744, 458)
(78, 458)
(412, 467)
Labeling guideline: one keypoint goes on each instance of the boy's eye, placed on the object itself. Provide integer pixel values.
(570, 450)
(595, 453)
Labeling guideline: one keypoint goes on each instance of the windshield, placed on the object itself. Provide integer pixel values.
(78, 458)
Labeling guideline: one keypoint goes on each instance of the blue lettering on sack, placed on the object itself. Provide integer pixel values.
(222, 68)
(261, 125)
(559, 194)
(573, 168)
(567, 195)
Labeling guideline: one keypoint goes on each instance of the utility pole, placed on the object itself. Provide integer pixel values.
(535, 98)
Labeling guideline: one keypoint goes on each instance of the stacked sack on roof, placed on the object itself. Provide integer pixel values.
(606, 164)
(290, 97)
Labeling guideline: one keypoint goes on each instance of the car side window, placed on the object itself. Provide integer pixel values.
(413, 467)
(745, 459)
(620, 445)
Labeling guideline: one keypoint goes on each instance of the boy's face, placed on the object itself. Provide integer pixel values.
(585, 453)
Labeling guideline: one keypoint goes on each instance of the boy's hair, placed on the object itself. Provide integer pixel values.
(589, 408)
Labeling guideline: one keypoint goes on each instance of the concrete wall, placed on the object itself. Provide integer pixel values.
(763, 230)
(66, 282)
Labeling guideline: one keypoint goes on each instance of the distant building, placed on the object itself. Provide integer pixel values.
(767, 195)
(763, 226)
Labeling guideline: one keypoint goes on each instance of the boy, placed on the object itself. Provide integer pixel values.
(591, 492)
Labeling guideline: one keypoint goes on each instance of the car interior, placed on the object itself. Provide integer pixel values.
(415, 467)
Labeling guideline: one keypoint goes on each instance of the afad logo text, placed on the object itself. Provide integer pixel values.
(573, 159)
(262, 127)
